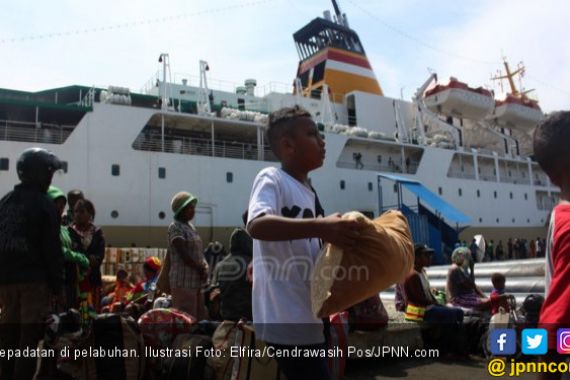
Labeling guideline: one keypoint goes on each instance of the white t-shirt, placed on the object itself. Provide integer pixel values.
(282, 269)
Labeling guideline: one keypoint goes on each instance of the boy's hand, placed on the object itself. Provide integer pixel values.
(340, 232)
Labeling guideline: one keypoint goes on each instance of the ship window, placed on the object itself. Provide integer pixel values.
(161, 173)
(342, 184)
(440, 190)
(370, 186)
(379, 158)
(114, 214)
(64, 166)
(460, 192)
(115, 170)
(319, 72)
(497, 220)
(513, 220)
(4, 164)
(528, 220)
(395, 188)
(509, 173)
(480, 220)
(161, 215)
(478, 193)
(316, 92)
(511, 195)
(495, 194)
(229, 177)
(525, 196)
(241, 104)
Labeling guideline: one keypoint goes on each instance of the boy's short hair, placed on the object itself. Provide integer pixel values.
(498, 279)
(281, 123)
(551, 139)
(122, 274)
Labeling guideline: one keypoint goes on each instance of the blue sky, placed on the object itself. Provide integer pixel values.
(117, 42)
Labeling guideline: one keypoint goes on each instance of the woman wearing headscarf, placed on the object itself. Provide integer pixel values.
(461, 289)
(188, 269)
(76, 264)
(88, 239)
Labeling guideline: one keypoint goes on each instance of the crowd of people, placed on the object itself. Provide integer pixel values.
(51, 259)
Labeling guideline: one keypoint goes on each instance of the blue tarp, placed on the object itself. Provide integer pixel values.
(446, 210)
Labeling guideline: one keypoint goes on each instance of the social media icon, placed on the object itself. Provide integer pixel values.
(563, 341)
(503, 341)
(534, 341)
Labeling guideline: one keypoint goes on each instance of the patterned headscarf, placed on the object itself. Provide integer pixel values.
(460, 253)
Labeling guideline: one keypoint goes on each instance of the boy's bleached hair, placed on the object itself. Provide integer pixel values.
(551, 141)
(280, 123)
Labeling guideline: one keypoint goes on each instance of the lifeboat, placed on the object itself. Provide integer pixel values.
(517, 112)
(459, 100)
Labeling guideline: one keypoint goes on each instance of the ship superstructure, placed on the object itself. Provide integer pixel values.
(130, 152)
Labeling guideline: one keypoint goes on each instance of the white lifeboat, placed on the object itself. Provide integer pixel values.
(459, 100)
(517, 113)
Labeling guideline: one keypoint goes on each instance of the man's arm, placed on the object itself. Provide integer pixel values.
(52, 252)
(333, 229)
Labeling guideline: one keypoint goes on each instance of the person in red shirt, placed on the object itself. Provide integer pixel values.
(551, 141)
(498, 280)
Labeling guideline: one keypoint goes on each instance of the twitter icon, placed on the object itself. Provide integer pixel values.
(534, 341)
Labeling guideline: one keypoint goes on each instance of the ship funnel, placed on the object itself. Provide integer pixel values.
(331, 53)
(184, 82)
(327, 15)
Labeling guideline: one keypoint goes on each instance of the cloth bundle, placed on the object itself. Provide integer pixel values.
(384, 255)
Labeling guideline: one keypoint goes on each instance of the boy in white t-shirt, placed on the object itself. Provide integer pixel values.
(287, 224)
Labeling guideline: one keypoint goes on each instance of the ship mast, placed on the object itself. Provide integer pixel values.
(509, 77)
(341, 19)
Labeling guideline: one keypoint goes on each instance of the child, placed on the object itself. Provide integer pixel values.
(287, 224)
(498, 280)
(122, 288)
(551, 141)
(151, 267)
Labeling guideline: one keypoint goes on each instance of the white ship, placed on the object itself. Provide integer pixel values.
(455, 164)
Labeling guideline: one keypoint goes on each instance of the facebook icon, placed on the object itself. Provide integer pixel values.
(503, 341)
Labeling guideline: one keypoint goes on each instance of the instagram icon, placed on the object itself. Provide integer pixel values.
(563, 341)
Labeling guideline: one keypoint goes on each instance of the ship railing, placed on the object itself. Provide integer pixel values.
(460, 174)
(47, 133)
(203, 147)
(515, 180)
(88, 99)
(412, 168)
(487, 178)
(150, 84)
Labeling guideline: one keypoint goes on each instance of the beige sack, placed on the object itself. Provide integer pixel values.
(384, 255)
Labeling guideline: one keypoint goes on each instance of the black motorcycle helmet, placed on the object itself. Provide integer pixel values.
(36, 167)
(531, 306)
